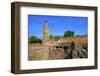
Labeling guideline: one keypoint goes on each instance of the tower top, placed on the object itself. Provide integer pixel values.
(46, 21)
(46, 24)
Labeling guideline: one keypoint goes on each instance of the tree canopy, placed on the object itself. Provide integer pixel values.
(34, 39)
(69, 34)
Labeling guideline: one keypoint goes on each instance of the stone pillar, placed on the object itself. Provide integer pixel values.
(46, 34)
(45, 54)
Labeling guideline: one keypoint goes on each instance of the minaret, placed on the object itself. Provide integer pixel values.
(45, 33)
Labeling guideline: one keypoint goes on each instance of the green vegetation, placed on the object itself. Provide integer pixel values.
(69, 34)
(54, 38)
(34, 39)
(85, 35)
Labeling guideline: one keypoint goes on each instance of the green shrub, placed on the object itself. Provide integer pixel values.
(69, 34)
(34, 39)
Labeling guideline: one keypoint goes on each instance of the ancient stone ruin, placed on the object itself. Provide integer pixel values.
(56, 50)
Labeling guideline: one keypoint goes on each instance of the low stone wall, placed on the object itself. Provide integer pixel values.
(39, 53)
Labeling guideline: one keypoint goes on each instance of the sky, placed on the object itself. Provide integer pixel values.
(57, 25)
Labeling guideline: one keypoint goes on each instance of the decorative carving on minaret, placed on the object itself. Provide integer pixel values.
(46, 33)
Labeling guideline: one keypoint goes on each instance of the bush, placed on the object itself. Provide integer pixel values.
(34, 39)
(69, 34)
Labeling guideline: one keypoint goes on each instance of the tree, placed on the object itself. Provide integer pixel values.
(34, 39)
(69, 34)
(57, 37)
(78, 35)
(54, 37)
(51, 37)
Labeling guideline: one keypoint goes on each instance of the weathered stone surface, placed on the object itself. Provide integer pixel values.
(76, 51)
(40, 52)
(57, 53)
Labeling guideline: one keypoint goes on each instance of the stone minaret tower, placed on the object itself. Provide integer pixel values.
(46, 34)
